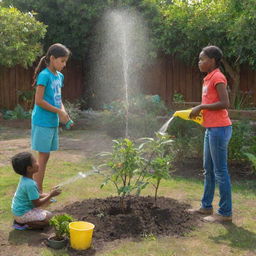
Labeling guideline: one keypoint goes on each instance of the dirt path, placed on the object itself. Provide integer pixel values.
(74, 145)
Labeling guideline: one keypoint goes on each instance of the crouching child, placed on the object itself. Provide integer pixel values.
(27, 201)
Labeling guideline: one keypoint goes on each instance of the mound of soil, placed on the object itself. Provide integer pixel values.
(140, 218)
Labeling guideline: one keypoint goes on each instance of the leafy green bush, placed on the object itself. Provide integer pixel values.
(145, 104)
(134, 167)
(73, 109)
(144, 125)
(26, 98)
(17, 113)
(60, 224)
(20, 37)
(124, 161)
(77, 16)
(252, 160)
(188, 138)
(178, 97)
(242, 140)
(159, 156)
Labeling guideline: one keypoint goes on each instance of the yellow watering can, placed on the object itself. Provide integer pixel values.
(184, 114)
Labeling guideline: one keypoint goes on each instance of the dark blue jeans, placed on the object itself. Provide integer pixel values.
(215, 165)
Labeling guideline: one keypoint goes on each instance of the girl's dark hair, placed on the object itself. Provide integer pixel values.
(21, 161)
(215, 52)
(56, 50)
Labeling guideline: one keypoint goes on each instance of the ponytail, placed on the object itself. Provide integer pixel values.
(43, 63)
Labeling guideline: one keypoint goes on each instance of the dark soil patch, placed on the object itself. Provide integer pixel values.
(140, 218)
(193, 168)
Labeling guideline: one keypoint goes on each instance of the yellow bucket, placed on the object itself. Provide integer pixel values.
(184, 114)
(81, 234)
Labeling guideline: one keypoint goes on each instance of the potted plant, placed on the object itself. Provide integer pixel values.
(61, 231)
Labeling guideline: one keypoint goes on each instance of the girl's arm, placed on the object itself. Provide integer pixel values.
(39, 100)
(223, 103)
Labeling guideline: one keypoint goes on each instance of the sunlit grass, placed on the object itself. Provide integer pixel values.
(237, 239)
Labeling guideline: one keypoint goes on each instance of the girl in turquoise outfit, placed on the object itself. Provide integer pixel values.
(48, 110)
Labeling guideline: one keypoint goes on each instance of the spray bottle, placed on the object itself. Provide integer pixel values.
(69, 124)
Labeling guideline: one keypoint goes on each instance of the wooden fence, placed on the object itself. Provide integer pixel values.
(164, 77)
(169, 75)
(18, 79)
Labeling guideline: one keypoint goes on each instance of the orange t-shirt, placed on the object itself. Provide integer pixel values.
(214, 118)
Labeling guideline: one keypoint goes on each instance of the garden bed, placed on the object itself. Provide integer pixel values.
(141, 218)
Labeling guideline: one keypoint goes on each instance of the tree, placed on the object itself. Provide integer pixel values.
(73, 22)
(20, 35)
(188, 26)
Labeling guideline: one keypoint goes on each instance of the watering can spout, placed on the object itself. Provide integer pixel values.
(184, 114)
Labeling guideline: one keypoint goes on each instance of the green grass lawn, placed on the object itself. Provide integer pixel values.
(238, 238)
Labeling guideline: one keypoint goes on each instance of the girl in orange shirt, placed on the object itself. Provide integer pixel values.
(215, 102)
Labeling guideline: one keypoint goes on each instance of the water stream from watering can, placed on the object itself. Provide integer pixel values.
(164, 128)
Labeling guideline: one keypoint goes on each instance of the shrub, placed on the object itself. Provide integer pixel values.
(73, 109)
(60, 224)
(252, 160)
(26, 99)
(20, 37)
(17, 113)
(242, 140)
(188, 138)
(124, 161)
(178, 97)
(144, 111)
(134, 167)
(159, 158)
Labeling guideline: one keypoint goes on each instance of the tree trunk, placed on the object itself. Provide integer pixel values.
(234, 72)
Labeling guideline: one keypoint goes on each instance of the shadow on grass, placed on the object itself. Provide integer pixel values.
(29, 237)
(237, 237)
(37, 238)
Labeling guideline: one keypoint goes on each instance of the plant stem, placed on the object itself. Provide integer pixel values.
(156, 190)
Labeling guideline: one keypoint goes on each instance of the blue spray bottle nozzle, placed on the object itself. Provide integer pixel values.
(69, 124)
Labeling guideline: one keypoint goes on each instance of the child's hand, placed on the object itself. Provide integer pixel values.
(55, 191)
(64, 117)
(195, 112)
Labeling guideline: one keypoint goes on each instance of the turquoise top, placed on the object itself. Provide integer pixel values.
(52, 94)
(27, 191)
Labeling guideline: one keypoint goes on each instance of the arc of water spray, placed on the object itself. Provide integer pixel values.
(80, 175)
